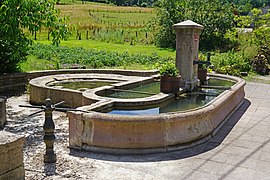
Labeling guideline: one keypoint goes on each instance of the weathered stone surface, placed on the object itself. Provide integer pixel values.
(98, 131)
(3, 117)
(75, 129)
(16, 174)
(11, 156)
(187, 44)
(10, 83)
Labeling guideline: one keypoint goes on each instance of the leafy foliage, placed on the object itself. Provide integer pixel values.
(245, 6)
(169, 69)
(18, 15)
(230, 63)
(216, 17)
(92, 58)
(261, 23)
(261, 63)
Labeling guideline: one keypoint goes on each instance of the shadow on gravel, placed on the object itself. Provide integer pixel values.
(50, 169)
(214, 142)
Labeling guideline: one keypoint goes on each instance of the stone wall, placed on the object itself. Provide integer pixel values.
(11, 156)
(10, 83)
(3, 117)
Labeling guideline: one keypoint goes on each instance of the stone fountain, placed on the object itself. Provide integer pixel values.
(103, 132)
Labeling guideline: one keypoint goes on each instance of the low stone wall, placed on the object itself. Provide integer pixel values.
(3, 116)
(11, 156)
(10, 83)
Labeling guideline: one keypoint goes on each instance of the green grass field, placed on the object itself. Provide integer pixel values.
(102, 27)
(107, 23)
(120, 48)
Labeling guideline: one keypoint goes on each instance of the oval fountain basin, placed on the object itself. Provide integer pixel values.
(152, 131)
(137, 134)
(70, 87)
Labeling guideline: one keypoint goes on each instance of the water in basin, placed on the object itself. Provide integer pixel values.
(183, 102)
(154, 88)
(138, 92)
(81, 84)
(220, 82)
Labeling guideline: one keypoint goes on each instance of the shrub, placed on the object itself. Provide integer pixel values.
(216, 17)
(230, 63)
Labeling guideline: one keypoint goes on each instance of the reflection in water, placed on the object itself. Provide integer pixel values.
(183, 102)
(220, 82)
(154, 88)
(151, 88)
(82, 84)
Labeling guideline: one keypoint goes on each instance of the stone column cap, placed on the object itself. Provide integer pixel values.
(187, 25)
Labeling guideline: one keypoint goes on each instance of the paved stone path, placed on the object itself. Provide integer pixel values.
(240, 150)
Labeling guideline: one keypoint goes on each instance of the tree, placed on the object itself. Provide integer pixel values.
(17, 17)
(261, 26)
(216, 17)
(245, 6)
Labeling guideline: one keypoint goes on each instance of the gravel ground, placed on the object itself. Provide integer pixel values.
(72, 164)
(67, 166)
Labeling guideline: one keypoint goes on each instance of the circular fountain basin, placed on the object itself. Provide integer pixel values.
(55, 87)
(111, 133)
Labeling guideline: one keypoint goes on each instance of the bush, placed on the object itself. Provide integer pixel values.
(18, 16)
(230, 63)
(216, 17)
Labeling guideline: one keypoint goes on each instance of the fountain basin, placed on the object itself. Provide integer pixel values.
(137, 134)
(42, 87)
(110, 133)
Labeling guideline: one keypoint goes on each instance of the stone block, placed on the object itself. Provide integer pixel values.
(11, 156)
(3, 116)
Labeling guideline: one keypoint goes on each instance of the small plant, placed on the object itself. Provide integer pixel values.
(169, 69)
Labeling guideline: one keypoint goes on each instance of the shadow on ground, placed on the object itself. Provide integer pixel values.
(214, 142)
